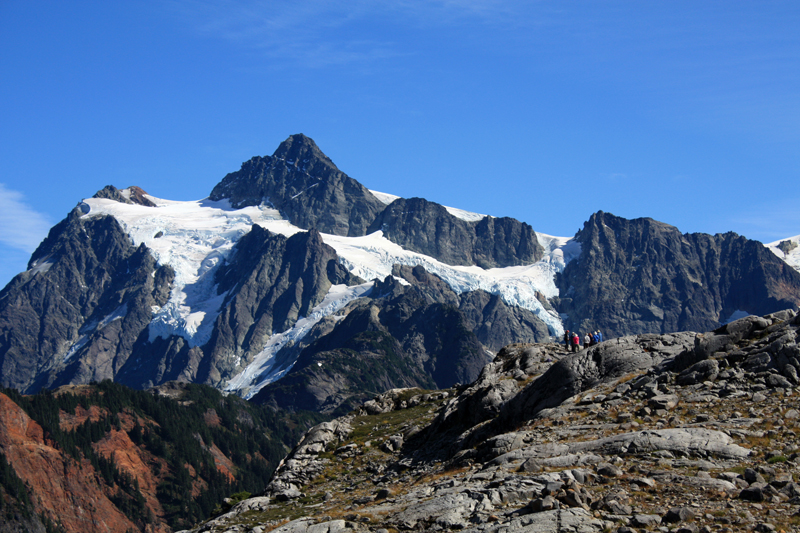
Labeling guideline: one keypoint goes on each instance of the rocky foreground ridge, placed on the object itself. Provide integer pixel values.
(677, 433)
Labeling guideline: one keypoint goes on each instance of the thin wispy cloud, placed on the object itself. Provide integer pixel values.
(308, 34)
(21, 227)
(331, 32)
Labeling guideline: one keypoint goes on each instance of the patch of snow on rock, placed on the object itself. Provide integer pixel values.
(262, 370)
(792, 256)
(384, 198)
(40, 266)
(373, 256)
(469, 216)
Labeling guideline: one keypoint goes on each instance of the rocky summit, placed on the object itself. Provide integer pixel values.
(305, 185)
(682, 432)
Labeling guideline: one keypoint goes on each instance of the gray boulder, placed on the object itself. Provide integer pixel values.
(706, 370)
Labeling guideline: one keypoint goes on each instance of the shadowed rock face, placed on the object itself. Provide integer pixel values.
(493, 398)
(81, 313)
(305, 186)
(87, 287)
(272, 281)
(418, 334)
(428, 228)
(643, 276)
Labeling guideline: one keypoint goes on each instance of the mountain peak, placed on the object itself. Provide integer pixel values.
(300, 149)
(305, 186)
(131, 195)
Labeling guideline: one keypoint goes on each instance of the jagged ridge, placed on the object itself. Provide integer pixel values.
(644, 276)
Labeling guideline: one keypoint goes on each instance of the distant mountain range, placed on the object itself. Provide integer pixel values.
(294, 285)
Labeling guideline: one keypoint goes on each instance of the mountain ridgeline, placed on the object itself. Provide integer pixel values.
(643, 276)
(287, 317)
(83, 311)
(307, 188)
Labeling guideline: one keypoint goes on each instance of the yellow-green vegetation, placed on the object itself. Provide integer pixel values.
(348, 474)
(378, 427)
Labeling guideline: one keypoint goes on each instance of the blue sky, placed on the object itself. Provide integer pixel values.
(686, 112)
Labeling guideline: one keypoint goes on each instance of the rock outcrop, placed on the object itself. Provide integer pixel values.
(84, 308)
(272, 281)
(644, 276)
(412, 331)
(131, 195)
(311, 192)
(628, 443)
(78, 311)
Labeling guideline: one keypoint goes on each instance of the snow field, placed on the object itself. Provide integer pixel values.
(793, 257)
(195, 238)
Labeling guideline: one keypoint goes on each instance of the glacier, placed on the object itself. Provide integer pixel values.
(195, 237)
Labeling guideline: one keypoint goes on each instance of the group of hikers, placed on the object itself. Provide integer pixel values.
(573, 341)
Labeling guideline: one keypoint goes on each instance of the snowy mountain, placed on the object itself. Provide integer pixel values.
(294, 285)
(195, 238)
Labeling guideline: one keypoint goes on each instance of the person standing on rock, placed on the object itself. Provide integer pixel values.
(567, 339)
(576, 342)
(587, 341)
(599, 336)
